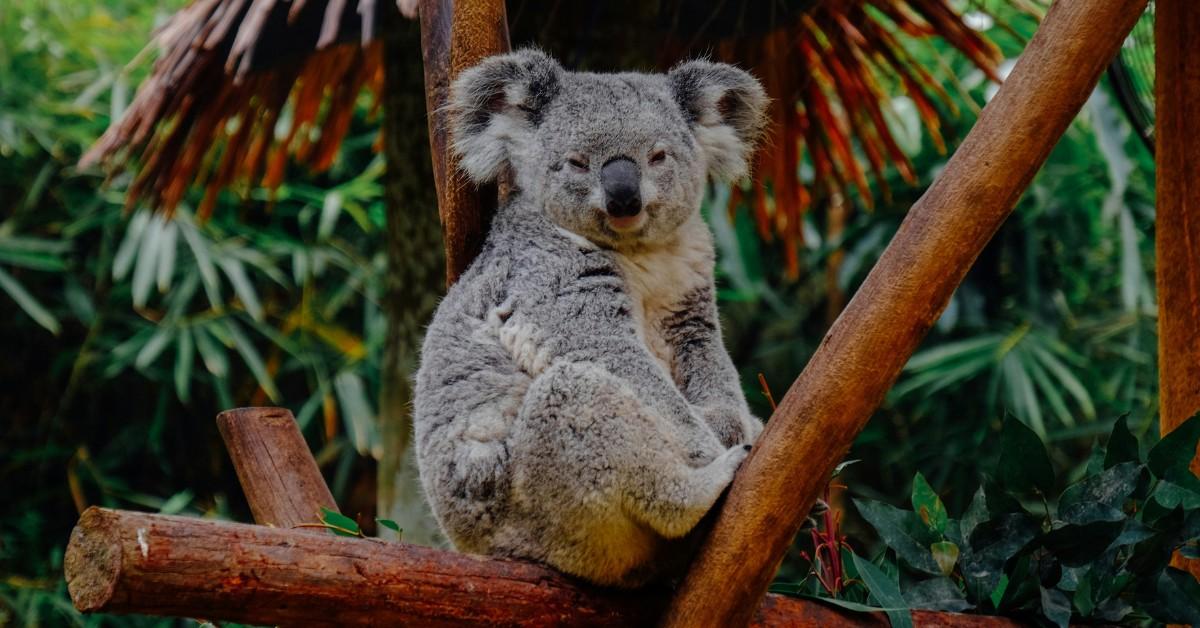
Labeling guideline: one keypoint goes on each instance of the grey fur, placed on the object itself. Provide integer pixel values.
(575, 404)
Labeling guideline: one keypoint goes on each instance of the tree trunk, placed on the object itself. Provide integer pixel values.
(1177, 232)
(455, 37)
(866, 348)
(127, 562)
(414, 273)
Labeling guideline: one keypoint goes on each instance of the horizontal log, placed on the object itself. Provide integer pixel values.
(128, 562)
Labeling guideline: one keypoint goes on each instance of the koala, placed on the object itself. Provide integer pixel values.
(574, 403)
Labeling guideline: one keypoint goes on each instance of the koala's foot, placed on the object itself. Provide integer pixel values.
(814, 516)
(673, 498)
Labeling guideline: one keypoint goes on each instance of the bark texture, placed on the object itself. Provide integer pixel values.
(127, 562)
(1177, 221)
(274, 465)
(456, 36)
(866, 348)
(414, 274)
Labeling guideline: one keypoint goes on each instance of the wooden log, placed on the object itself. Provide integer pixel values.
(1177, 232)
(903, 296)
(127, 562)
(456, 36)
(282, 482)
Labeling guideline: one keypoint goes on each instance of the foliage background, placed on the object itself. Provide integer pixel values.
(126, 333)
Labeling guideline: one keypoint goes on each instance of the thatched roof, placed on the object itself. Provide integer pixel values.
(230, 70)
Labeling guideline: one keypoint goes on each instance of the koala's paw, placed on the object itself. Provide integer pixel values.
(731, 460)
(732, 426)
(751, 427)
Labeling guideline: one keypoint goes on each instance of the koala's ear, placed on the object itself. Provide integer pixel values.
(496, 104)
(726, 107)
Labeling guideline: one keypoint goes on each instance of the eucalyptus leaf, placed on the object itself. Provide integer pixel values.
(885, 591)
(339, 524)
(1024, 466)
(938, 594)
(902, 531)
(1171, 457)
(928, 505)
(1056, 606)
(1112, 486)
(1122, 444)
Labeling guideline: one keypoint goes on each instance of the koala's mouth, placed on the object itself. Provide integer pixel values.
(626, 224)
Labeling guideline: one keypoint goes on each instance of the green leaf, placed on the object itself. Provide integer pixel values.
(253, 360)
(992, 544)
(236, 273)
(1024, 465)
(945, 554)
(885, 592)
(846, 604)
(166, 255)
(147, 262)
(389, 524)
(1122, 444)
(211, 353)
(30, 305)
(184, 360)
(1171, 457)
(1175, 599)
(928, 505)
(1111, 487)
(939, 594)
(902, 531)
(153, 347)
(340, 524)
(842, 466)
(1056, 607)
(1090, 528)
(976, 513)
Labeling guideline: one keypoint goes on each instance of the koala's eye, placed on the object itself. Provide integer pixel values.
(577, 162)
(658, 156)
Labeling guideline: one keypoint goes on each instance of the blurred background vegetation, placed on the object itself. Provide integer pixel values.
(126, 332)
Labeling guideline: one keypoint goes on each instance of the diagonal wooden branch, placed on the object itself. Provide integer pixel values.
(275, 467)
(1177, 237)
(900, 300)
(127, 562)
(454, 37)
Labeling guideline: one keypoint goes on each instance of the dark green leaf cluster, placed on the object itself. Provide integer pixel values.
(1099, 552)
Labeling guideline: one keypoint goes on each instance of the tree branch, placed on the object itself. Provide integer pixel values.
(1177, 232)
(454, 37)
(868, 345)
(127, 562)
(274, 465)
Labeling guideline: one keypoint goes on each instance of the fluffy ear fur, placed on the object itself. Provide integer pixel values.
(726, 107)
(495, 105)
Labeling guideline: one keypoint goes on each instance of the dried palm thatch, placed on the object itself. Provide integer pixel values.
(241, 86)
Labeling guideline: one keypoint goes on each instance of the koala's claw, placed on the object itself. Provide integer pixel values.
(820, 507)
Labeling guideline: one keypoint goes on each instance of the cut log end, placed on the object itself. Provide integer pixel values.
(93, 561)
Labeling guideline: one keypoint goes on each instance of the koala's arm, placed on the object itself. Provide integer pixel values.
(581, 314)
(704, 371)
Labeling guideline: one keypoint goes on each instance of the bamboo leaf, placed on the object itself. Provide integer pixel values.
(28, 303)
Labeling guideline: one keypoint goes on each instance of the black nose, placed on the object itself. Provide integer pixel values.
(621, 181)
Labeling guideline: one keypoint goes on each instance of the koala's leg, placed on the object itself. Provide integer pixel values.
(602, 446)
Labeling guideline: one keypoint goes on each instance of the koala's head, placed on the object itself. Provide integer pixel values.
(620, 159)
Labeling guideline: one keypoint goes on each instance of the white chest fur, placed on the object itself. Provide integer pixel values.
(659, 278)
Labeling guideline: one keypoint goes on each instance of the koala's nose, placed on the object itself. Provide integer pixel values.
(622, 182)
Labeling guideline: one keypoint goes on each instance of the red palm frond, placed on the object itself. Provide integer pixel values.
(830, 72)
(244, 87)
